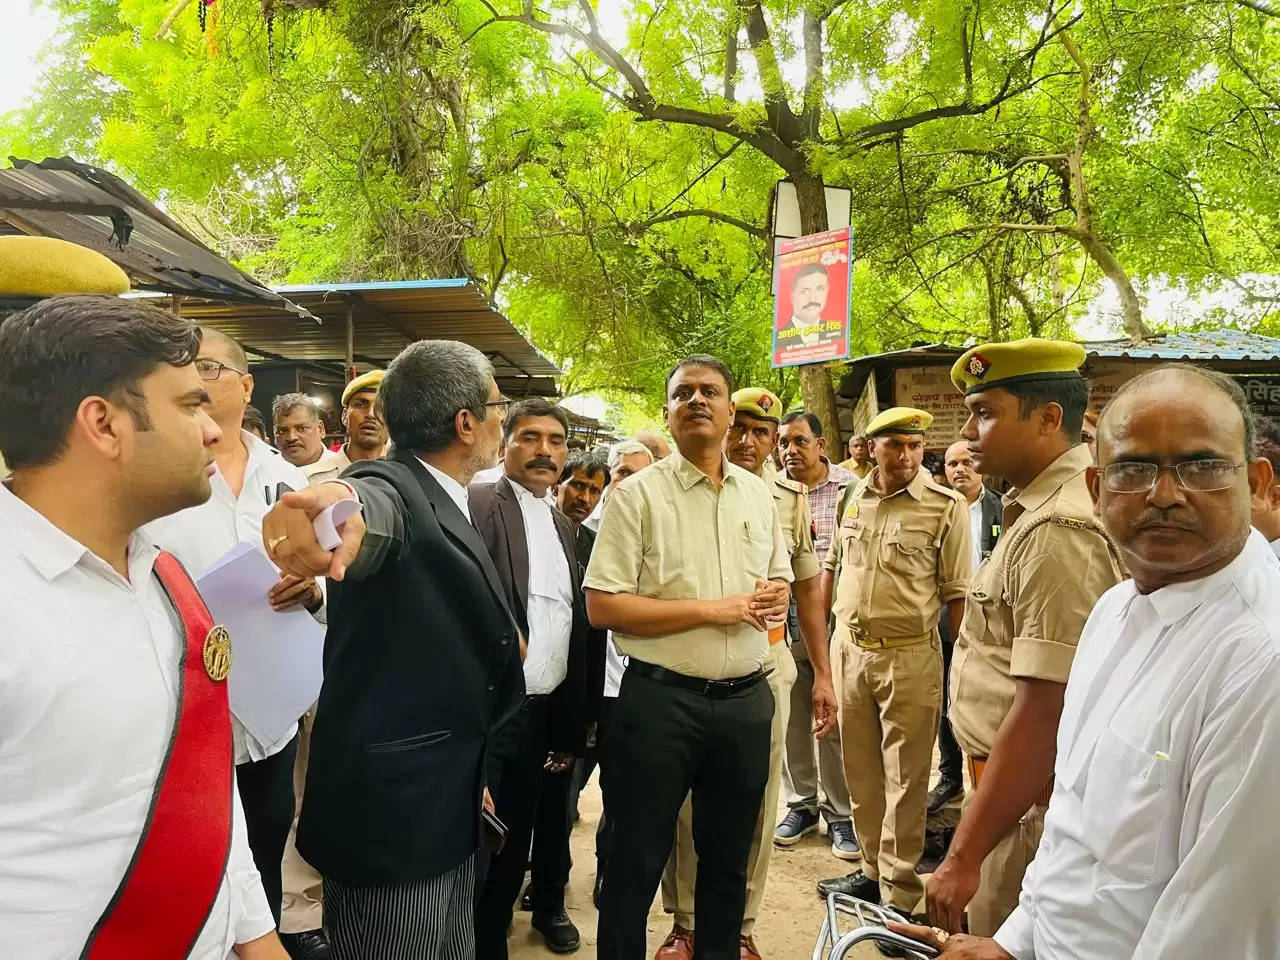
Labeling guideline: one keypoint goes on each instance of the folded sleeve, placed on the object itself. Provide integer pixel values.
(955, 555)
(1055, 579)
(805, 563)
(618, 553)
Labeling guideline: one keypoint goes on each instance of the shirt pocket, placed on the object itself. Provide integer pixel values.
(911, 553)
(853, 536)
(1130, 811)
(758, 547)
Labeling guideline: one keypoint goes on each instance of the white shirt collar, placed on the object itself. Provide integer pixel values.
(456, 491)
(1175, 601)
(524, 493)
(53, 552)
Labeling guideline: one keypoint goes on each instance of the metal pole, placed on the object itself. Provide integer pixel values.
(349, 370)
(175, 304)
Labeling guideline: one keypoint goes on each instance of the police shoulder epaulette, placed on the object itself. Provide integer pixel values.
(786, 483)
(930, 484)
(1073, 523)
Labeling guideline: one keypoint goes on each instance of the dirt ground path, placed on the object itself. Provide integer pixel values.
(786, 929)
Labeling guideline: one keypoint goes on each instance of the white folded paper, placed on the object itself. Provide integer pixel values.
(332, 517)
(276, 657)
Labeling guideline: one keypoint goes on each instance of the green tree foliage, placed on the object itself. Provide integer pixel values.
(606, 173)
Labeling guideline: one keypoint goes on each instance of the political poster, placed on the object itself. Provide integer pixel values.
(811, 311)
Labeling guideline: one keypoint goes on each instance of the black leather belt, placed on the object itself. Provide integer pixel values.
(715, 689)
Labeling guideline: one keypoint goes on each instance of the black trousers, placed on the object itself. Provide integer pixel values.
(669, 742)
(951, 758)
(596, 756)
(266, 793)
(532, 803)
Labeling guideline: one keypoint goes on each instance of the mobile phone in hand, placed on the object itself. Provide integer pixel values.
(495, 831)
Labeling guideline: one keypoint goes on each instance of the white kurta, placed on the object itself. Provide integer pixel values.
(88, 683)
(550, 610)
(1160, 840)
(199, 536)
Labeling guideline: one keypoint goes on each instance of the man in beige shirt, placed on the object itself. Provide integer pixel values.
(1025, 610)
(901, 552)
(751, 439)
(689, 569)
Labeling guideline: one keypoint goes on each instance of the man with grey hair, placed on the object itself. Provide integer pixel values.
(655, 443)
(625, 458)
(299, 432)
(422, 662)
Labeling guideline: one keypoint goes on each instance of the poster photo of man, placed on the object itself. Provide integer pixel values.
(811, 313)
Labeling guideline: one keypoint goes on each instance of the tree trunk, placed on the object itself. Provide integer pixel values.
(815, 382)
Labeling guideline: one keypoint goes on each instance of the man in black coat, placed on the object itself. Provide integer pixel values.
(985, 517)
(534, 548)
(422, 665)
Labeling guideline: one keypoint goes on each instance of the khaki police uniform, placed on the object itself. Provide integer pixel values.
(897, 559)
(1025, 610)
(678, 880)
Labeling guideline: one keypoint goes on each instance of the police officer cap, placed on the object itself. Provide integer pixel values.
(1018, 361)
(366, 381)
(899, 420)
(46, 267)
(758, 403)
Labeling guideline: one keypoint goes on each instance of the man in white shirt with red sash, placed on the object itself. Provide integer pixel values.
(121, 835)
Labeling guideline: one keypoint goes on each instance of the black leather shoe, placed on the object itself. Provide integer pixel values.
(308, 945)
(856, 884)
(561, 934)
(888, 950)
(595, 892)
(946, 791)
(526, 901)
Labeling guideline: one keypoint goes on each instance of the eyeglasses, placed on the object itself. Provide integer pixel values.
(212, 369)
(1199, 475)
(502, 405)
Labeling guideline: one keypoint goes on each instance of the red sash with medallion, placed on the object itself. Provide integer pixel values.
(172, 881)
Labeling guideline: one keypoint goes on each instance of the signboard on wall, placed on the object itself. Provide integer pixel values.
(930, 388)
(1263, 393)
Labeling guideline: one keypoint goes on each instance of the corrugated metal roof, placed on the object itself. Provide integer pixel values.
(387, 316)
(59, 197)
(1221, 344)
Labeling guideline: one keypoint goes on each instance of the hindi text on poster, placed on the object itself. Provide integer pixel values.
(811, 313)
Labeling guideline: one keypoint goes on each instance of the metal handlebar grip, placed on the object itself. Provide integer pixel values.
(870, 926)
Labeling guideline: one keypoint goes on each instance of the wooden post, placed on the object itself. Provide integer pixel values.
(349, 370)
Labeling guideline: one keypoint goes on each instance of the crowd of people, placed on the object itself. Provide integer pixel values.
(746, 639)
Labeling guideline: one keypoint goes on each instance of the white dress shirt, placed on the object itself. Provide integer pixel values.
(1160, 840)
(550, 608)
(1275, 547)
(456, 491)
(200, 536)
(975, 530)
(88, 685)
(488, 475)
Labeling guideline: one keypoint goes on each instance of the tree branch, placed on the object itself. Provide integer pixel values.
(751, 228)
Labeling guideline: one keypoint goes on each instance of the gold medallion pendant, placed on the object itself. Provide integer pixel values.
(217, 653)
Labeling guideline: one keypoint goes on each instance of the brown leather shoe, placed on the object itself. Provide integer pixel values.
(677, 946)
(747, 949)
